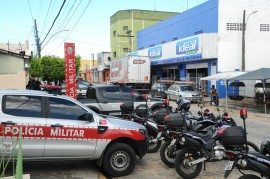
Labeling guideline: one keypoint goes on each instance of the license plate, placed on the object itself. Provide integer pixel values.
(229, 165)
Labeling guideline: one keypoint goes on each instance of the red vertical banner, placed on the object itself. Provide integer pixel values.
(70, 70)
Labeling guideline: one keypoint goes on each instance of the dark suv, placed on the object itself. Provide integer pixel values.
(160, 87)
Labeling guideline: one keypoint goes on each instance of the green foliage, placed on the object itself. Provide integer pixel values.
(51, 68)
(34, 66)
(78, 64)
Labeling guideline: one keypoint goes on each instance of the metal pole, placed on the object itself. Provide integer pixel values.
(243, 41)
(37, 39)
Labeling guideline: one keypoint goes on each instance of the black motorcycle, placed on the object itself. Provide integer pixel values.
(202, 148)
(201, 125)
(255, 161)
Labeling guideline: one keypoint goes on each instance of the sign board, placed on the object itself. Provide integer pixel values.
(70, 70)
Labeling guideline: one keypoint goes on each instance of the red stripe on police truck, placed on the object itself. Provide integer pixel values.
(67, 132)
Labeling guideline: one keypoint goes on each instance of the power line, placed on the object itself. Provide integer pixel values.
(62, 26)
(54, 21)
(30, 10)
(75, 23)
(46, 15)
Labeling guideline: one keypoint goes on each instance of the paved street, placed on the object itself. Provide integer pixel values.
(151, 165)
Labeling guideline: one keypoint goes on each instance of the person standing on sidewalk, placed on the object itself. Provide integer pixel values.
(214, 97)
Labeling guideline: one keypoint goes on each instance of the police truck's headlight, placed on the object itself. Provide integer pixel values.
(143, 132)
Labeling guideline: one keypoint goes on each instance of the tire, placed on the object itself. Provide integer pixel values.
(166, 157)
(119, 160)
(181, 159)
(249, 176)
(154, 146)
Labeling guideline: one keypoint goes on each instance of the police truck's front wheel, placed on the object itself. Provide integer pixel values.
(119, 160)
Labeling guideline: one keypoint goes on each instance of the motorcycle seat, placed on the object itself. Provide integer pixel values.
(205, 136)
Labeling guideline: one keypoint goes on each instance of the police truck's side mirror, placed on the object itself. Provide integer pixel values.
(89, 117)
(243, 113)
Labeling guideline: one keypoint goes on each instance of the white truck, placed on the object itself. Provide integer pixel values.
(133, 71)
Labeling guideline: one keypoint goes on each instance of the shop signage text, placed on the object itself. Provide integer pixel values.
(155, 52)
(187, 47)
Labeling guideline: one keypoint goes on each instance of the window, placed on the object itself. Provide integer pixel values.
(125, 49)
(114, 54)
(64, 109)
(111, 93)
(126, 92)
(125, 28)
(264, 27)
(25, 106)
(114, 33)
(186, 88)
(234, 26)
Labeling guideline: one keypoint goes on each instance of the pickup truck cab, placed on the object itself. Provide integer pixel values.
(58, 127)
(106, 99)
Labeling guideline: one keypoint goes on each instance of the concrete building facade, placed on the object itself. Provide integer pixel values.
(124, 25)
(207, 39)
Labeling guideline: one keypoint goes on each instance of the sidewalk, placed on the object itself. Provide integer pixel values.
(235, 106)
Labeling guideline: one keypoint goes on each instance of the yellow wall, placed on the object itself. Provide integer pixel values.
(87, 64)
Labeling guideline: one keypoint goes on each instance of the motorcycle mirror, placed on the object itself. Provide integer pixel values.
(243, 113)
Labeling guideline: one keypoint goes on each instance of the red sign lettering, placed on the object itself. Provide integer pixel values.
(70, 69)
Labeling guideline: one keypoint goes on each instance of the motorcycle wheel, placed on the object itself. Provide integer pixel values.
(181, 163)
(249, 176)
(167, 154)
(154, 146)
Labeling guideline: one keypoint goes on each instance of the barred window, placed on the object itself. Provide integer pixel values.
(264, 27)
(234, 26)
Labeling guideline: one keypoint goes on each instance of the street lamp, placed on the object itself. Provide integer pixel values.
(243, 38)
(49, 40)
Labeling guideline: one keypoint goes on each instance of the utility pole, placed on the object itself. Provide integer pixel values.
(244, 26)
(243, 41)
(37, 39)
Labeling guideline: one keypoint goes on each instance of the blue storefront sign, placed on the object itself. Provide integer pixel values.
(187, 47)
(155, 52)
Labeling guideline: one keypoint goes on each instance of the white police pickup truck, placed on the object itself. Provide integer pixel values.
(59, 127)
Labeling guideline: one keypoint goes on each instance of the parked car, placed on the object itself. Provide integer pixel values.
(160, 87)
(58, 127)
(106, 99)
(183, 90)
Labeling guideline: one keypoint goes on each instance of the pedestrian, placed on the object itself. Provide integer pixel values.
(214, 95)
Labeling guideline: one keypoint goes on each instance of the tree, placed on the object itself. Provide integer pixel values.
(51, 68)
(34, 67)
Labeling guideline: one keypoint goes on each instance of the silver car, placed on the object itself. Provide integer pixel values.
(185, 91)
